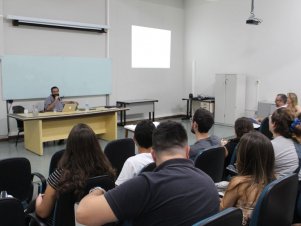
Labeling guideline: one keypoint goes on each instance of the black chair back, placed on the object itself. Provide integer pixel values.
(64, 208)
(276, 203)
(118, 151)
(15, 177)
(11, 212)
(264, 128)
(229, 217)
(149, 167)
(211, 161)
(56, 157)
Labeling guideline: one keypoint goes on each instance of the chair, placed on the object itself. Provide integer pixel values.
(64, 206)
(276, 203)
(231, 168)
(11, 212)
(55, 160)
(229, 217)
(264, 128)
(17, 179)
(17, 110)
(118, 151)
(211, 161)
(148, 168)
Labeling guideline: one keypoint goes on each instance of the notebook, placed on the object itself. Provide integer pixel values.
(69, 107)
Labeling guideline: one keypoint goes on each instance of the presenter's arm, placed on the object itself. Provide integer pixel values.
(94, 209)
(51, 106)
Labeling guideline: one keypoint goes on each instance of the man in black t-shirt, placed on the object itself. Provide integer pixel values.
(176, 193)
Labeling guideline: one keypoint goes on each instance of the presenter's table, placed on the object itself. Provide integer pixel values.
(49, 126)
(142, 105)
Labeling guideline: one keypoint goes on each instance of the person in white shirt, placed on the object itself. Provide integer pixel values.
(143, 139)
(286, 157)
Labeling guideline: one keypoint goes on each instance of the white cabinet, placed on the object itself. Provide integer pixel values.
(230, 92)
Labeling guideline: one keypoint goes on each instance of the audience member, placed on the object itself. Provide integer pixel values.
(242, 125)
(143, 139)
(255, 166)
(292, 104)
(82, 159)
(176, 193)
(202, 122)
(54, 102)
(281, 100)
(286, 159)
(296, 129)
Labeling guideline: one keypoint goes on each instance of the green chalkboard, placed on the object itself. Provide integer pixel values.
(30, 77)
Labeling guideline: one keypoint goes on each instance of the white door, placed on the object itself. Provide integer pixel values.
(230, 98)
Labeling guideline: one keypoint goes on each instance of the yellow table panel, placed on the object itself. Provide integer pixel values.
(51, 126)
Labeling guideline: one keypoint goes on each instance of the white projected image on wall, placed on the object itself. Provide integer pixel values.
(150, 47)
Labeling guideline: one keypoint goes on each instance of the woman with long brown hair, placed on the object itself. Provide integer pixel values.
(255, 166)
(82, 159)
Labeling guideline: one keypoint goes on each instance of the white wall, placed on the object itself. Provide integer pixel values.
(219, 40)
(166, 85)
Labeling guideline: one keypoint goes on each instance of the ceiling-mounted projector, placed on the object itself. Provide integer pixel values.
(252, 19)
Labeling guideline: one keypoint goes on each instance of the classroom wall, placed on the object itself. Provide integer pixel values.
(219, 41)
(166, 85)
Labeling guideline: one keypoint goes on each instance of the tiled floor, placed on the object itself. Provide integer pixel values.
(41, 163)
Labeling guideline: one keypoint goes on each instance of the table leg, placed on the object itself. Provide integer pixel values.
(33, 136)
(124, 116)
(190, 110)
(187, 110)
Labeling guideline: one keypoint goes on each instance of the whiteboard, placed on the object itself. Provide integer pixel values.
(31, 77)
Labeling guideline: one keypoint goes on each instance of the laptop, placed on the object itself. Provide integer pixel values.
(69, 107)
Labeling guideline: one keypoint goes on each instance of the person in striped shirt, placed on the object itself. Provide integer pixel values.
(82, 159)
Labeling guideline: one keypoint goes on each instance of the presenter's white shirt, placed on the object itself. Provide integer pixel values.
(133, 166)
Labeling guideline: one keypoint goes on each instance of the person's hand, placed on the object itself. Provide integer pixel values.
(56, 98)
(224, 141)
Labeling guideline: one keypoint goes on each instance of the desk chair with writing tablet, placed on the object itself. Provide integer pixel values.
(118, 151)
(66, 203)
(11, 212)
(211, 161)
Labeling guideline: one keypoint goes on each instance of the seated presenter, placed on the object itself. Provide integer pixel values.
(54, 102)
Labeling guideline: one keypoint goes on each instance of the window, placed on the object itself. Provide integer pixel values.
(150, 47)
